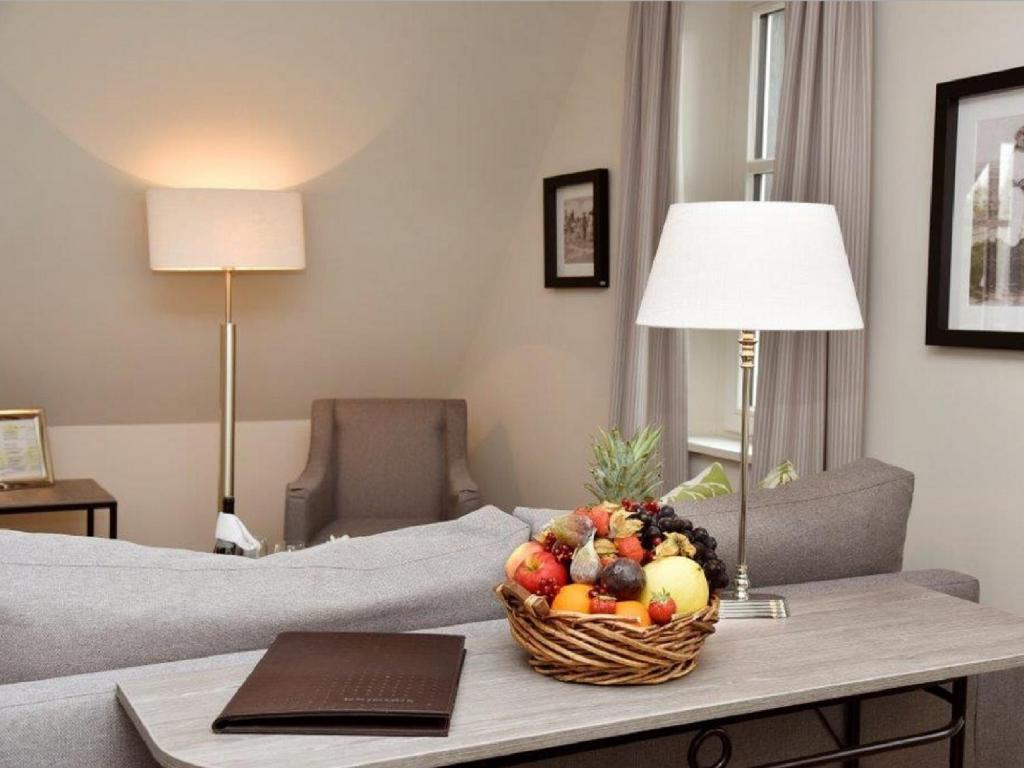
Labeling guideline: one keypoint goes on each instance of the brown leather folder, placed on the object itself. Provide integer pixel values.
(349, 683)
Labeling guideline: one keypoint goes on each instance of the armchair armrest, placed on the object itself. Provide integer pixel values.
(463, 493)
(309, 500)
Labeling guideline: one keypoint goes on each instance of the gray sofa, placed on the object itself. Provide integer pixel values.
(378, 465)
(77, 615)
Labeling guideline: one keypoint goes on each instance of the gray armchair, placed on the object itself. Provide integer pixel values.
(378, 465)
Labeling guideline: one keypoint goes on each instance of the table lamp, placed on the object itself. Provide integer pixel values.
(225, 230)
(750, 266)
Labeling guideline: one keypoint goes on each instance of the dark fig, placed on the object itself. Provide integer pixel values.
(622, 578)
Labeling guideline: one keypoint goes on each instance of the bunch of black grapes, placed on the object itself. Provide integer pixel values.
(658, 520)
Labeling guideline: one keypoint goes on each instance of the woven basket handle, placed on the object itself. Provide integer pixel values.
(516, 595)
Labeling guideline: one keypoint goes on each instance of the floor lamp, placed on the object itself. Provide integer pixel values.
(750, 266)
(228, 231)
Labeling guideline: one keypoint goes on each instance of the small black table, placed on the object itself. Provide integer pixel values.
(62, 496)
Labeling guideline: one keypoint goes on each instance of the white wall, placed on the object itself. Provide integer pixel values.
(954, 417)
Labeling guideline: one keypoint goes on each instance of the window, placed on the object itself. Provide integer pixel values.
(742, 113)
(767, 52)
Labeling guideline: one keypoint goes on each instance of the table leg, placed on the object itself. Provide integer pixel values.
(851, 730)
(958, 742)
(113, 520)
(90, 521)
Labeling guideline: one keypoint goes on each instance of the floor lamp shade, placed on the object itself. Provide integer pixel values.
(751, 265)
(210, 230)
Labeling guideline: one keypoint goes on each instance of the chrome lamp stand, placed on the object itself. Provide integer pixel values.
(740, 602)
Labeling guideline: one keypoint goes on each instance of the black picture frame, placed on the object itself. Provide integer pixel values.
(947, 103)
(598, 178)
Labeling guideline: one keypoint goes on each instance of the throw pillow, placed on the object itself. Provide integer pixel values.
(708, 484)
(783, 474)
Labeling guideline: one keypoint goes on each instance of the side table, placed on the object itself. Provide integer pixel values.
(62, 496)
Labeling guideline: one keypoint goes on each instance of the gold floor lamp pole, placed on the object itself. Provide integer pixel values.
(228, 340)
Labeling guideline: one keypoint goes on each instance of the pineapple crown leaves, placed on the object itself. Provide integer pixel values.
(625, 469)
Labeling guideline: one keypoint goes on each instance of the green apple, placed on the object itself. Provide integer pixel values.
(681, 577)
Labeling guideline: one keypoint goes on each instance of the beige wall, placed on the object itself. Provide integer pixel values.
(537, 372)
(414, 131)
(953, 416)
(164, 477)
(418, 135)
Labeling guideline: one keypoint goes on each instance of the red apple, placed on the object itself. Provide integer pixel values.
(519, 554)
(538, 566)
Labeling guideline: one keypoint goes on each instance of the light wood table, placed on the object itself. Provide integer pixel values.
(63, 496)
(845, 644)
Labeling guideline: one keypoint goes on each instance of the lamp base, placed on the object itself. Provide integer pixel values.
(754, 606)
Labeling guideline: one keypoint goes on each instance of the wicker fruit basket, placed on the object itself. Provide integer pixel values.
(601, 649)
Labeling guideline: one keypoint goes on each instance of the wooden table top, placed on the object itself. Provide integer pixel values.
(72, 494)
(844, 643)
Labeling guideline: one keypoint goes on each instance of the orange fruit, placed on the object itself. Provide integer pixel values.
(572, 597)
(635, 609)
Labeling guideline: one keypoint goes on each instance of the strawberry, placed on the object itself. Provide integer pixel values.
(630, 546)
(661, 608)
(601, 603)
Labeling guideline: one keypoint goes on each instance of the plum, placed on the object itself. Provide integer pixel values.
(623, 578)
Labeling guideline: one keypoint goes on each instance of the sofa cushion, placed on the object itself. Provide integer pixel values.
(850, 521)
(74, 604)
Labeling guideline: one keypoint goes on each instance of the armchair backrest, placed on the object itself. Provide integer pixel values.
(392, 455)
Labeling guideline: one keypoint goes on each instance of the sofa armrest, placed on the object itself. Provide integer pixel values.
(952, 583)
(463, 493)
(309, 500)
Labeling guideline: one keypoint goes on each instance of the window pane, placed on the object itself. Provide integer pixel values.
(762, 186)
(769, 85)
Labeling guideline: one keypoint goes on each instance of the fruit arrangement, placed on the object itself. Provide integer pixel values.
(639, 561)
(619, 592)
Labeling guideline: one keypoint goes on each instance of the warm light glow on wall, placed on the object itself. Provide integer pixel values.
(205, 95)
(223, 159)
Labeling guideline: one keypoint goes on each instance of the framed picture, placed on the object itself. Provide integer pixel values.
(976, 249)
(24, 453)
(576, 230)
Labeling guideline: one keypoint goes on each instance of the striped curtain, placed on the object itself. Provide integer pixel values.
(810, 392)
(649, 377)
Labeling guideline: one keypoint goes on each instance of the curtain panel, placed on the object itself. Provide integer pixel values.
(649, 377)
(810, 391)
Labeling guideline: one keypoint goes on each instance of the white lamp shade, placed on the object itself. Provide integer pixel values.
(751, 266)
(218, 229)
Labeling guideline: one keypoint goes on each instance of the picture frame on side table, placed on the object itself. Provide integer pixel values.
(576, 230)
(976, 245)
(24, 449)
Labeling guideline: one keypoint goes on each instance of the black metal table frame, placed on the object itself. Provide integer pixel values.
(848, 749)
(74, 506)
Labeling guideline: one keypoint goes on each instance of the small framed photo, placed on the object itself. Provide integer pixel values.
(24, 452)
(976, 248)
(576, 230)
